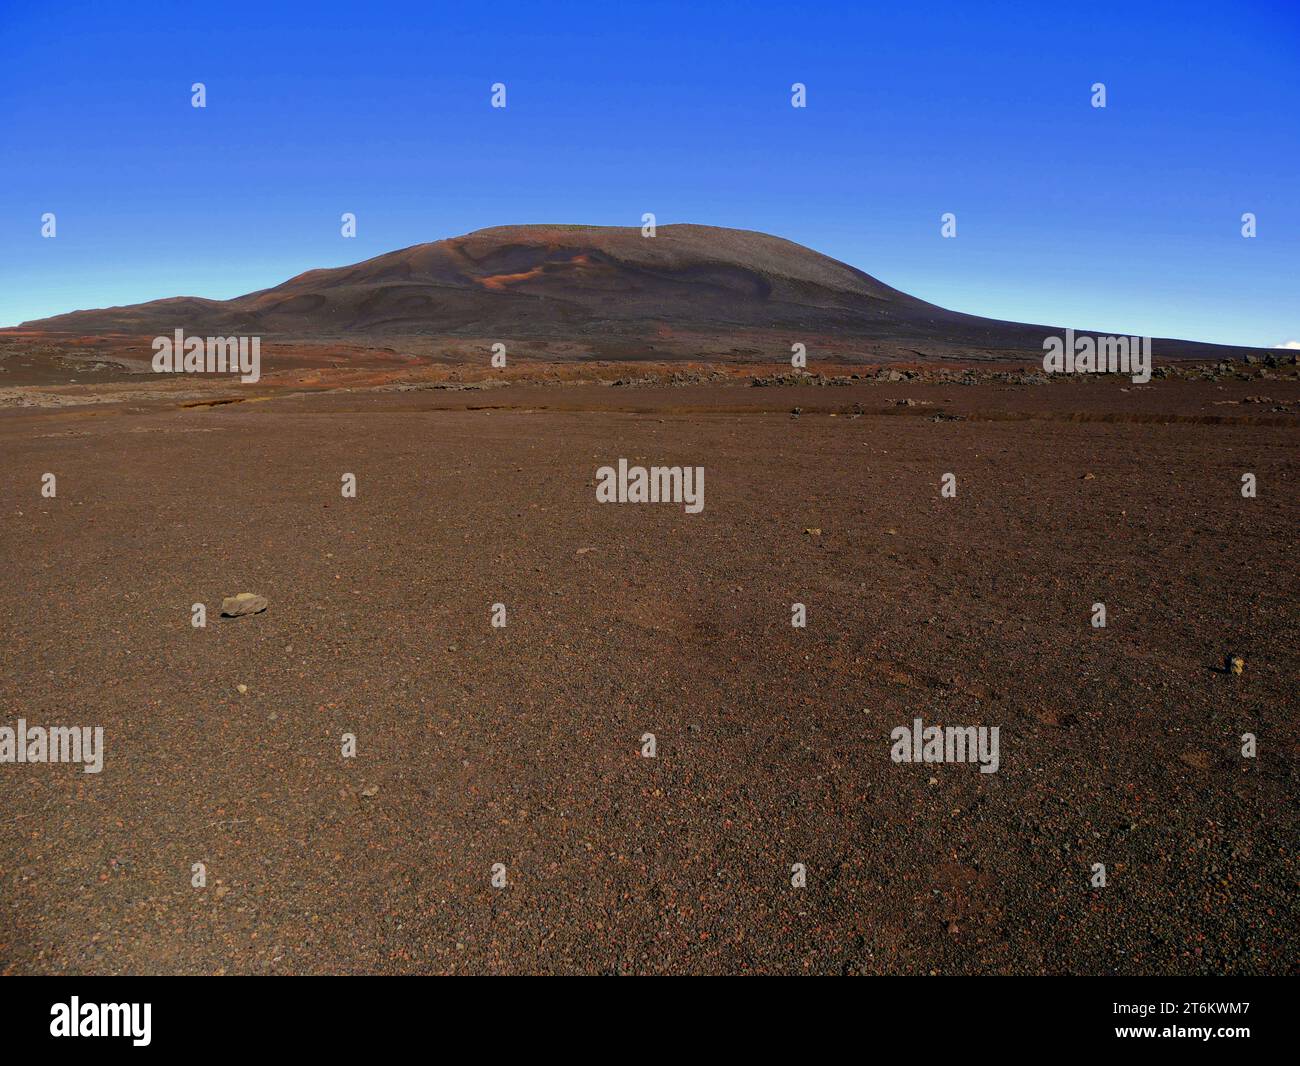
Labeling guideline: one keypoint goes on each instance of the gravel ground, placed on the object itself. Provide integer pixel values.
(522, 745)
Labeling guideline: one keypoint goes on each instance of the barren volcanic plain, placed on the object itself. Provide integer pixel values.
(523, 745)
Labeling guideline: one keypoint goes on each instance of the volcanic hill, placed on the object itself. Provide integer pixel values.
(689, 290)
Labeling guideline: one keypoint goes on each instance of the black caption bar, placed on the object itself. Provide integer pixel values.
(141, 1015)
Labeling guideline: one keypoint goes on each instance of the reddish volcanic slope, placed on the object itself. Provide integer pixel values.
(587, 283)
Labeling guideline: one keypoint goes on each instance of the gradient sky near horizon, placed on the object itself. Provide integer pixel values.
(1122, 220)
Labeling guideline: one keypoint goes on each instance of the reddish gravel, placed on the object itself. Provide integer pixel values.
(521, 745)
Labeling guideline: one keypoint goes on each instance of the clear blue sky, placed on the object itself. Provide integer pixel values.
(1124, 220)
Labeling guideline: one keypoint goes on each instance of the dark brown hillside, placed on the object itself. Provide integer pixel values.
(604, 285)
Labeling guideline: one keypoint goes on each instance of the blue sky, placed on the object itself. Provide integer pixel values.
(1125, 219)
